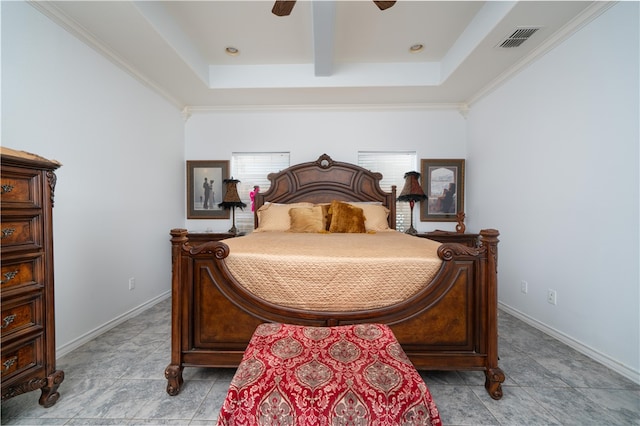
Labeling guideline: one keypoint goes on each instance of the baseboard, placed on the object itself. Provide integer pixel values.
(598, 356)
(75, 344)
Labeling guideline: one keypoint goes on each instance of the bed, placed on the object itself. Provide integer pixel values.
(449, 322)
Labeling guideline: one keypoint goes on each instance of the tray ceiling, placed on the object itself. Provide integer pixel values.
(323, 53)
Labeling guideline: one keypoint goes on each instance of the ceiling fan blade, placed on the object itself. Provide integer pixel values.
(383, 5)
(283, 7)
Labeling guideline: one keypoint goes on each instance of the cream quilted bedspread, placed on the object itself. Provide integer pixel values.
(333, 272)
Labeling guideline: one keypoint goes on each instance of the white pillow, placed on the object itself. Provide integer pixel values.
(376, 216)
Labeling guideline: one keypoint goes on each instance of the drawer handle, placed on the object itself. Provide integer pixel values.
(9, 276)
(8, 320)
(9, 362)
(7, 188)
(8, 232)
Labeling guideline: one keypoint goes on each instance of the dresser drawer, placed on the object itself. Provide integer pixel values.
(21, 233)
(20, 188)
(18, 359)
(21, 314)
(21, 272)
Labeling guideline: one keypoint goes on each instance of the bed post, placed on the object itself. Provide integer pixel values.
(392, 207)
(494, 375)
(173, 372)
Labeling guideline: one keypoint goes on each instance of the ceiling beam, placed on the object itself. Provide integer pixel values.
(323, 20)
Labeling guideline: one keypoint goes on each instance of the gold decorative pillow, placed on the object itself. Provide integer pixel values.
(326, 216)
(376, 216)
(306, 219)
(275, 217)
(346, 218)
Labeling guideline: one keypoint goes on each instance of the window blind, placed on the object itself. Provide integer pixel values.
(252, 168)
(393, 165)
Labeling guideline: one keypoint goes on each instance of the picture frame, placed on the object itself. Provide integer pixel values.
(203, 204)
(443, 184)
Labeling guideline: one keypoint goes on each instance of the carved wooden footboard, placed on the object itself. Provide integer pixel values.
(451, 325)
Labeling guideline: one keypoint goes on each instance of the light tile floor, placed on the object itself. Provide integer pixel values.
(118, 379)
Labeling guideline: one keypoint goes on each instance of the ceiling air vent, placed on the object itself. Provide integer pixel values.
(518, 37)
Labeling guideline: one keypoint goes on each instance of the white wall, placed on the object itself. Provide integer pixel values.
(338, 132)
(553, 164)
(121, 185)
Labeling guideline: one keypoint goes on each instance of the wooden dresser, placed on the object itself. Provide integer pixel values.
(27, 319)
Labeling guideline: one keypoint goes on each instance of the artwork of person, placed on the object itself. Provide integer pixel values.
(448, 198)
(252, 196)
(207, 193)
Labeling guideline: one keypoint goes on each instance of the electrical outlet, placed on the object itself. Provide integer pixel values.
(524, 286)
(552, 297)
(132, 283)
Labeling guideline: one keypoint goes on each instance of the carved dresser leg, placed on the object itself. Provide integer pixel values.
(173, 373)
(493, 382)
(50, 395)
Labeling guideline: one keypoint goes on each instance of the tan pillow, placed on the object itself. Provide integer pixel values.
(326, 216)
(275, 217)
(346, 218)
(306, 219)
(376, 216)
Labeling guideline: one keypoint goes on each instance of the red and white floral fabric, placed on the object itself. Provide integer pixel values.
(345, 375)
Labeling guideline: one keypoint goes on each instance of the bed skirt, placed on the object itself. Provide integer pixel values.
(302, 375)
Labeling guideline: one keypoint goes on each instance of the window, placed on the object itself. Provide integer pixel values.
(393, 165)
(252, 168)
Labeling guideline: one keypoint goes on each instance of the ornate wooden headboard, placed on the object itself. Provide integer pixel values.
(325, 180)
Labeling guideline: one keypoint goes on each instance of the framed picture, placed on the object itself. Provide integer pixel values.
(443, 184)
(204, 189)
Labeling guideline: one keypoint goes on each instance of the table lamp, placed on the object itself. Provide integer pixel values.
(232, 200)
(412, 192)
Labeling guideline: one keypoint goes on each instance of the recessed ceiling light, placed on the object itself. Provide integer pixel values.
(232, 51)
(416, 48)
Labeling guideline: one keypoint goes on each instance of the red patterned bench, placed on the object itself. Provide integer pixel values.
(298, 375)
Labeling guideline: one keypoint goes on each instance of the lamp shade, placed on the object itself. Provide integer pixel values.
(412, 190)
(231, 197)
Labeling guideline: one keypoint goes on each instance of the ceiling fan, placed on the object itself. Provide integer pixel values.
(284, 7)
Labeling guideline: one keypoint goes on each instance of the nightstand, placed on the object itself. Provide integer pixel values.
(470, 240)
(203, 237)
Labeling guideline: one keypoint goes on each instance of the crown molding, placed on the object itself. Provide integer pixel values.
(328, 107)
(589, 14)
(52, 12)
